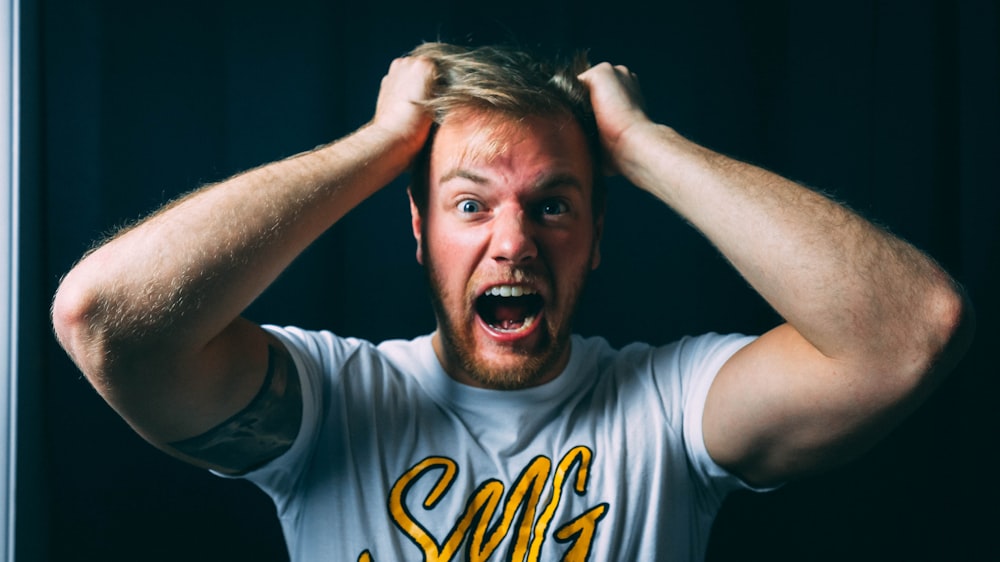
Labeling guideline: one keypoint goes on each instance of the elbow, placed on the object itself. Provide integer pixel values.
(950, 325)
(75, 321)
(68, 315)
(957, 324)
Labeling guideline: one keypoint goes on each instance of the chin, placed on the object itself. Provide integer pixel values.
(504, 378)
(514, 373)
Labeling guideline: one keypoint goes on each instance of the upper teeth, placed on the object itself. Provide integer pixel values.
(510, 291)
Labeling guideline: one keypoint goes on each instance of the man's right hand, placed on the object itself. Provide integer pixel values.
(398, 110)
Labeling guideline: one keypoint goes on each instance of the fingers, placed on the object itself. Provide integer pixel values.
(617, 103)
(606, 70)
(408, 77)
(624, 71)
(404, 88)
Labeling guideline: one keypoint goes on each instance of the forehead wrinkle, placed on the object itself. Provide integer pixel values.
(482, 147)
(494, 134)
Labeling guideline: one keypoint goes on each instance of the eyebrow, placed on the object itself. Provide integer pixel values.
(464, 174)
(550, 182)
(560, 180)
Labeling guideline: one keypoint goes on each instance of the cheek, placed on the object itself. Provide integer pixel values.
(452, 257)
(572, 250)
(455, 240)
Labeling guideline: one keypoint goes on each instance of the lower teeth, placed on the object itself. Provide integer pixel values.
(512, 326)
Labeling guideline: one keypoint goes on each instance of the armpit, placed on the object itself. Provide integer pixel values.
(263, 430)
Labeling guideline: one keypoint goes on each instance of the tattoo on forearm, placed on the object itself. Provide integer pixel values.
(260, 432)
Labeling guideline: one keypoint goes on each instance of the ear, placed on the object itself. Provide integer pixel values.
(595, 252)
(415, 222)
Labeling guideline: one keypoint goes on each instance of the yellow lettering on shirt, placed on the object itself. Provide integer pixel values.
(518, 517)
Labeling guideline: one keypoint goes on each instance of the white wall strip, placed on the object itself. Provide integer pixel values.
(9, 153)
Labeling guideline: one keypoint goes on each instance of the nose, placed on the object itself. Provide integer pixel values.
(513, 240)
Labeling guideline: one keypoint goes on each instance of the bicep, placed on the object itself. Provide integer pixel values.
(779, 408)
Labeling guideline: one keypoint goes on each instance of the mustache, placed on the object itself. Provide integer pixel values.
(518, 274)
(532, 275)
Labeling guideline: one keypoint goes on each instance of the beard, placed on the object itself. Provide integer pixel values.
(532, 364)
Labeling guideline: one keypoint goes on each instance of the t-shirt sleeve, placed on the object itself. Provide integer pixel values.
(317, 357)
(697, 361)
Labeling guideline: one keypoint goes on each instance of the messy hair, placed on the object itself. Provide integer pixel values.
(511, 83)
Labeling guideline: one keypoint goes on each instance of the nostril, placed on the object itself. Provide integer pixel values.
(512, 238)
(516, 250)
(520, 254)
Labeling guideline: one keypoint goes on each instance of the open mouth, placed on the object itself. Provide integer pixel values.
(509, 308)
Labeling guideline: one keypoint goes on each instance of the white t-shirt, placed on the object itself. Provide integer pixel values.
(397, 461)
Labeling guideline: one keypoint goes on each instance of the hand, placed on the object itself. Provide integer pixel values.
(398, 110)
(618, 105)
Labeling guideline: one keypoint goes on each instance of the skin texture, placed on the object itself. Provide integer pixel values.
(152, 317)
(509, 204)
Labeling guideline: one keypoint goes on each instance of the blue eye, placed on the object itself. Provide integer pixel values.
(554, 207)
(469, 206)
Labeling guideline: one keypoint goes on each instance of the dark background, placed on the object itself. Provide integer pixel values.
(891, 107)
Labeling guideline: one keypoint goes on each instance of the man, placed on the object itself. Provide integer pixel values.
(502, 435)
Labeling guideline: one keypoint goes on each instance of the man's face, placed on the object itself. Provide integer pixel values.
(508, 238)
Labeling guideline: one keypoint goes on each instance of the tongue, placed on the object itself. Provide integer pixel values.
(509, 316)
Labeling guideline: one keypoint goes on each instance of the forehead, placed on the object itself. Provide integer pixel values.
(507, 148)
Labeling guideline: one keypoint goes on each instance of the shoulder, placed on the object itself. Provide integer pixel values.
(687, 356)
(321, 355)
(317, 344)
(704, 354)
(326, 346)
(674, 377)
(353, 368)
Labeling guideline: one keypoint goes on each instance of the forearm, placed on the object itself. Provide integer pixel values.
(178, 279)
(853, 290)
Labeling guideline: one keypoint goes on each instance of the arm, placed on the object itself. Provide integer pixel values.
(152, 317)
(872, 323)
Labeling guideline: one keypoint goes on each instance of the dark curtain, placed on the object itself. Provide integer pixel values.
(892, 107)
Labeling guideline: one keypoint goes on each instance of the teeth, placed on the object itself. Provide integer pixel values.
(510, 291)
